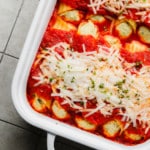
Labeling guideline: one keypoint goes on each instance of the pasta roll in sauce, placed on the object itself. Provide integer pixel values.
(59, 111)
(73, 16)
(63, 8)
(40, 104)
(62, 25)
(112, 128)
(123, 29)
(144, 34)
(85, 124)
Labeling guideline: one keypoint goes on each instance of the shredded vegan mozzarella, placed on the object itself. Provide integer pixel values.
(102, 75)
(122, 6)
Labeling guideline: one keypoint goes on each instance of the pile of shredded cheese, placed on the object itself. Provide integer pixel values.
(122, 7)
(101, 75)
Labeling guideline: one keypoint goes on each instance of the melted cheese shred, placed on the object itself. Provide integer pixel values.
(102, 75)
(122, 6)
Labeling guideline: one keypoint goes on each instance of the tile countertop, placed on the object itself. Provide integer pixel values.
(16, 17)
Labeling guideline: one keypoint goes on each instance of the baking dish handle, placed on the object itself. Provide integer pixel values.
(50, 141)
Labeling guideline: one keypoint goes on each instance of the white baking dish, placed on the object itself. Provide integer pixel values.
(32, 43)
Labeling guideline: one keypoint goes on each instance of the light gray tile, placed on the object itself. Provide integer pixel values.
(21, 28)
(14, 138)
(7, 110)
(0, 57)
(8, 12)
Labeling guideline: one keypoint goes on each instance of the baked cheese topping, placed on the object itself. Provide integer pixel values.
(102, 75)
(122, 7)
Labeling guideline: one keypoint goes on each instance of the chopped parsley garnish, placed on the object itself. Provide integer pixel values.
(119, 84)
(101, 86)
(40, 101)
(73, 80)
(93, 83)
(51, 79)
(125, 91)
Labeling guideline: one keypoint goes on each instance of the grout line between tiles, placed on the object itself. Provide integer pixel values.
(6, 54)
(1, 56)
(10, 55)
(12, 30)
(28, 130)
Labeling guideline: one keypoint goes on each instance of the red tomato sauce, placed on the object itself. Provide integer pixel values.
(79, 4)
(54, 36)
(143, 57)
(80, 42)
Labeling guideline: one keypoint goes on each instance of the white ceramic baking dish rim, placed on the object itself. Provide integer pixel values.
(55, 127)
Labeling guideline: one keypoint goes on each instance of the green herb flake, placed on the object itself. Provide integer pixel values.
(120, 83)
(101, 86)
(94, 73)
(69, 66)
(104, 91)
(81, 103)
(136, 95)
(73, 80)
(51, 79)
(127, 96)
(93, 83)
(121, 96)
(125, 91)
(40, 101)
(65, 87)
